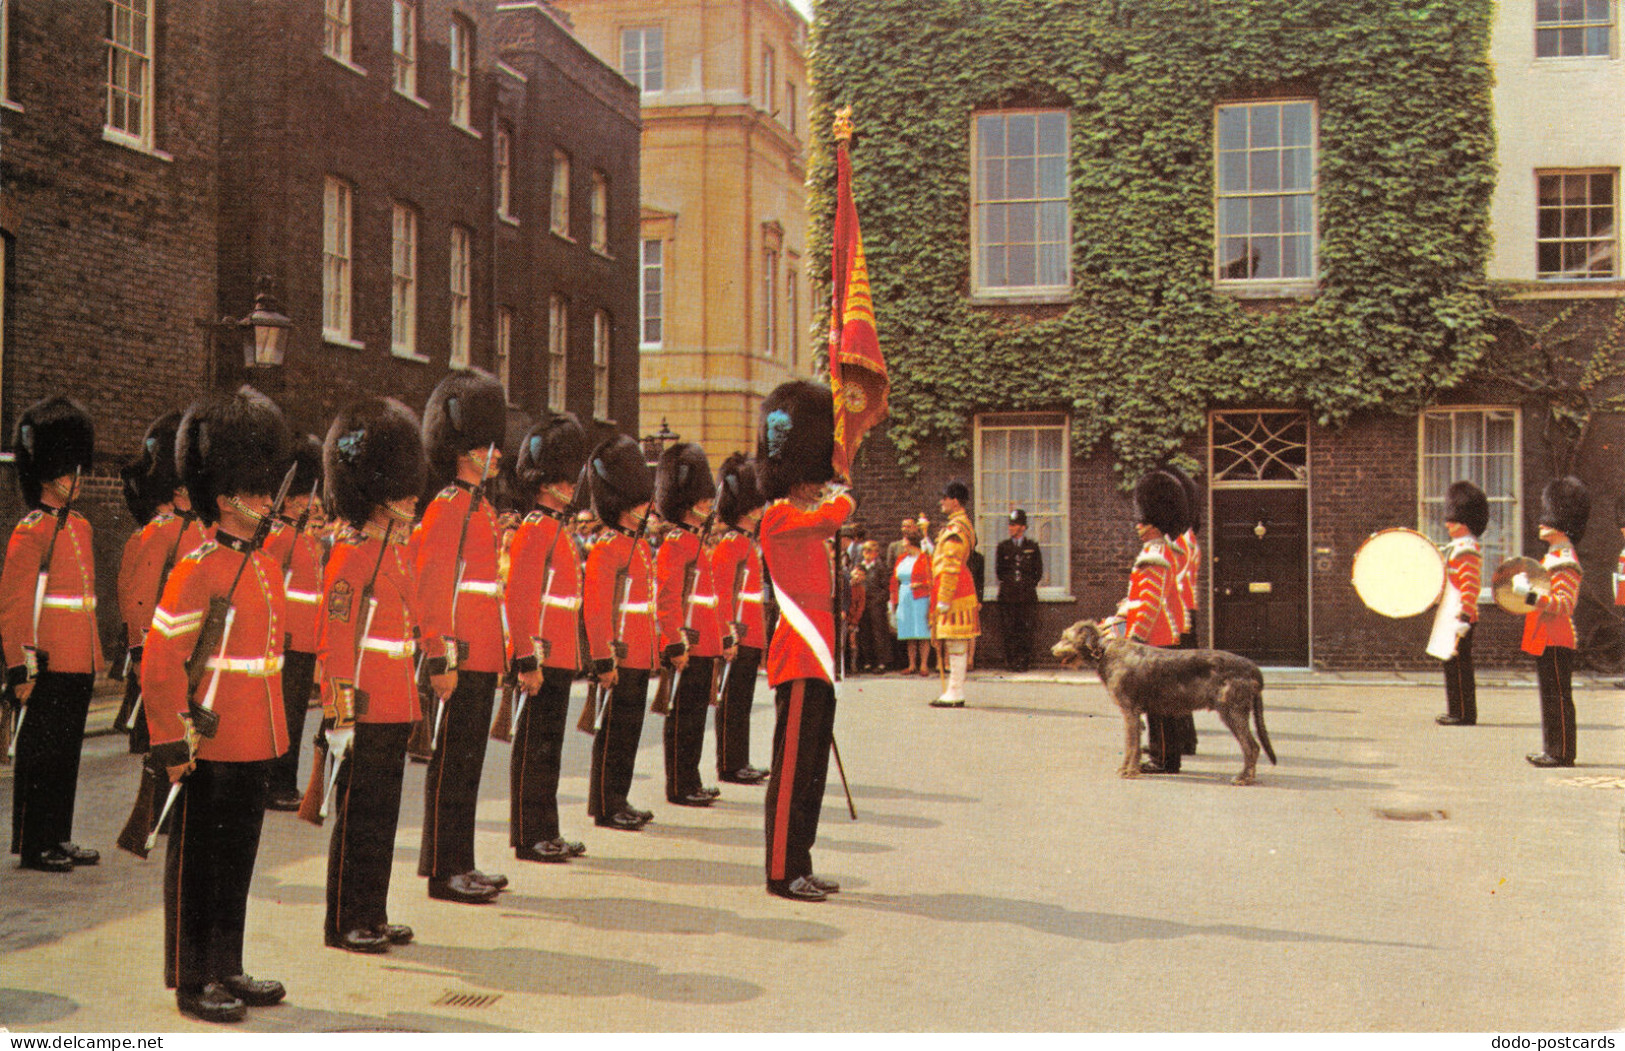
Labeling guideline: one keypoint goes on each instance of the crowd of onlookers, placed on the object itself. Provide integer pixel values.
(887, 599)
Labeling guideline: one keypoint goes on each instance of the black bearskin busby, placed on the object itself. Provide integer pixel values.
(307, 460)
(552, 451)
(131, 478)
(1466, 503)
(618, 478)
(957, 490)
(682, 479)
(230, 445)
(158, 458)
(54, 436)
(1159, 500)
(1565, 505)
(1193, 497)
(796, 441)
(373, 456)
(467, 410)
(737, 492)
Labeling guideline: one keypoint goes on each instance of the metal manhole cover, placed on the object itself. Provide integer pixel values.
(452, 998)
(1400, 814)
(1594, 781)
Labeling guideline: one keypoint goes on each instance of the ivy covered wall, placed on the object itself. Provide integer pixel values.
(1147, 344)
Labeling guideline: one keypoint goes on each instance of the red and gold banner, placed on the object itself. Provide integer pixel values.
(857, 370)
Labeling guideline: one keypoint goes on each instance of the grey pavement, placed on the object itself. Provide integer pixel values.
(1389, 874)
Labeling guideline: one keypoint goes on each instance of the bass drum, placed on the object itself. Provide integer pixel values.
(1398, 572)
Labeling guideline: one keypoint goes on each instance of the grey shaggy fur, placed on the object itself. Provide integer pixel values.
(1145, 679)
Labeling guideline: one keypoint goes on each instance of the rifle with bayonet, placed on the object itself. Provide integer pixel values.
(588, 723)
(130, 710)
(33, 658)
(325, 766)
(459, 646)
(738, 626)
(140, 832)
(691, 637)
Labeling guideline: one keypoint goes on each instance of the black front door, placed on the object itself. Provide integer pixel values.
(1260, 562)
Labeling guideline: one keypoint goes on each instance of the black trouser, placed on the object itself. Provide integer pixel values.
(451, 789)
(733, 713)
(615, 746)
(1170, 737)
(684, 736)
(1460, 688)
(802, 732)
(533, 769)
(874, 634)
(213, 842)
(1555, 670)
(298, 672)
(46, 777)
(367, 810)
(1020, 622)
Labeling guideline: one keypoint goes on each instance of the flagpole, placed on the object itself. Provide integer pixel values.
(837, 283)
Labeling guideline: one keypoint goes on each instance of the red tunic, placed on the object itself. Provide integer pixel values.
(469, 612)
(793, 548)
(67, 621)
(1152, 597)
(164, 541)
(680, 550)
(386, 672)
(1551, 623)
(544, 594)
(736, 566)
(1179, 560)
(300, 558)
(610, 611)
(1464, 565)
(919, 578)
(247, 682)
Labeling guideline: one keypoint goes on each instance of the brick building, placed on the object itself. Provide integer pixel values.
(422, 184)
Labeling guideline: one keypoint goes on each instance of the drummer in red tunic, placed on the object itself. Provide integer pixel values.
(1466, 515)
(1152, 609)
(794, 454)
(1548, 630)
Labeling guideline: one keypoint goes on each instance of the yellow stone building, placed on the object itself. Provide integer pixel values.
(726, 306)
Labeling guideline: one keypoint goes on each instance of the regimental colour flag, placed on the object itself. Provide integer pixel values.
(857, 370)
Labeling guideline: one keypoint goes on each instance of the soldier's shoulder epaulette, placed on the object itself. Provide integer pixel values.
(1560, 560)
(32, 519)
(1153, 555)
(198, 553)
(448, 493)
(535, 517)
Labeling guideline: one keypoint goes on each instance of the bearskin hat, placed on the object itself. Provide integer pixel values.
(552, 451)
(373, 455)
(1466, 503)
(737, 492)
(54, 436)
(1193, 497)
(796, 441)
(957, 490)
(618, 478)
(131, 478)
(682, 479)
(467, 410)
(158, 458)
(229, 445)
(1565, 505)
(1159, 500)
(307, 462)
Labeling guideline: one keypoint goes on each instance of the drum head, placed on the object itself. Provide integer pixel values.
(1398, 573)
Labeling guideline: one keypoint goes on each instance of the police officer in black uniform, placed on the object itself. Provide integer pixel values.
(1019, 565)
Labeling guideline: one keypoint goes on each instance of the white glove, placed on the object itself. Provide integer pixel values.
(340, 741)
(1462, 628)
(1520, 585)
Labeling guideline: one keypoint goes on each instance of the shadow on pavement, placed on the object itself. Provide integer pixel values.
(889, 792)
(682, 871)
(26, 1007)
(654, 917)
(537, 972)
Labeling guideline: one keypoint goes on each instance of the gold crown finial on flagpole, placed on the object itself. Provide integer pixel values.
(843, 124)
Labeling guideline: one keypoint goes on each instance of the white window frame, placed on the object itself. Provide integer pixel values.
(461, 286)
(652, 272)
(1585, 207)
(1588, 25)
(600, 213)
(403, 329)
(338, 261)
(601, 333)
(136, 58)
(404, 49)
(648, 83)
(770, 296)
(981, 287)
(338, 31)
(1430, 506)
(503, 352)
(1051, 527)
(1266, 286)
(558, 351)
(559, 219)
(503, 152)
(460, 41)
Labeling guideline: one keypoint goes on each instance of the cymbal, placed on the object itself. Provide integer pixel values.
(1540, 582)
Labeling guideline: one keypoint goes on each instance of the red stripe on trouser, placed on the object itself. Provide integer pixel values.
(787, 781)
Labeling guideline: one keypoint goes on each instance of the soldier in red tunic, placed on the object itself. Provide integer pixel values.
(618, 610)
(736, 567)
(297, 553)
(1152, 608)
(374, 464)
(544, 617)
(459, 604)
(794, 455)
(686, 606)
(1548, 630)
(232, 453)
(48, 622)
(1466, 514)
(1186, 551)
